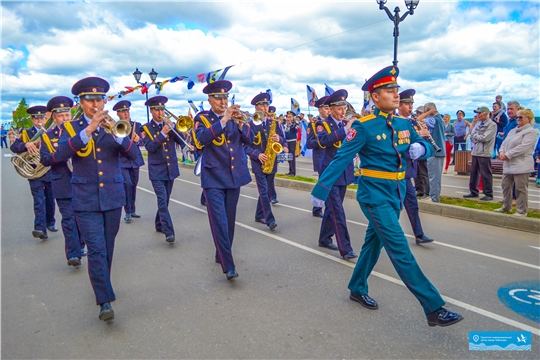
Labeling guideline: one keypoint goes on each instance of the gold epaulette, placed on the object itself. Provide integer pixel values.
(85, 151)
(207, 124)
(24, 136)
(47, 142)
(367, 118)
(145, 128)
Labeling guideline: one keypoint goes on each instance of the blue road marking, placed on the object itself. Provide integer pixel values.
(522, 297)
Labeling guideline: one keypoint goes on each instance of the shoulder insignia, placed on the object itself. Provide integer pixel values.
(319, 128)
(145, 128)
(47, 142)
(69, 128)
(351, 134)
(367, 118)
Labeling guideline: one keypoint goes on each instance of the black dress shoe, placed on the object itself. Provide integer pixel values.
(169, 239)
(262, 221)
(74, 261)
(486, 198)
(471, 195)
(217, 260)
(203, 203)
(231, 274)
(106, 313)
(159, 230)
(40, 234)
(423, 239)
(365, 301)
(443, 317)
(52, 228)
(135, 215)
(127, 218)
(318, 214)
(330, 246)
(272, 225)
(350, 255)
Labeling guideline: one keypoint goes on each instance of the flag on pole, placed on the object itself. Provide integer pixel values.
(269, 92)
(190, 84)
(311, 96)
(328, 90)
(222, 77)
(192, 106)
(145, 88)
(232, 99)
(295, 106)
(201, 106)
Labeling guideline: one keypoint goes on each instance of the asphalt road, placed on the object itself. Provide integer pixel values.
(452, 184)
(290, 301)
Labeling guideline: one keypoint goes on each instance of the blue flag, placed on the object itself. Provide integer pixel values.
(192, 105)
(269, 92)
(190, 84)
(295, 106)
(328, 90)
(311, 96)
(222, 77)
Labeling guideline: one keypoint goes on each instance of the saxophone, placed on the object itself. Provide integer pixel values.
(272, 149)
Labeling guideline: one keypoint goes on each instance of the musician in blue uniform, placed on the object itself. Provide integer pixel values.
(223, 169)
(291, 135)
(382, 141)
(313, 144)
(130, 168)
(60, 109)
(406, 101)
(331, 133)
(97, 183)
(44, 207)
(256, 151)
(160, 142)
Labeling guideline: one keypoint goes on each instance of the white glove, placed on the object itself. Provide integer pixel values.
(316, 202)
(416, 151)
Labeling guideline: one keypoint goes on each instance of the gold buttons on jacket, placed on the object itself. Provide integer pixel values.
(101, 185)
(98, 149)
(228, 141)
(100, 173)
(231, 149)
(167, 157)
(232, 158)
(168, 164)
(99, 161)
(232, 167)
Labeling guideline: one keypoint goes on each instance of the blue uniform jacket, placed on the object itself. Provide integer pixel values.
(18, 147)
(382, 143)
(313, 144)
(260, 139)
(97, 181)
(330, 140)
(60, 173)
(162, 159)
(224, 161)
(139, 161)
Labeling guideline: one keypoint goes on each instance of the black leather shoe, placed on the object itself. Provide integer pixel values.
(217, 260)
(273, 201)
(231, 274)
(106, 313)
(52, 228)
(423, 239)
(486, 198)
(127, 218)
(135, 215)
(74, 261)
(272, 225)
(471, 195)
(443, 317)
(159, 230)
(365, 301)
(40, 234)
(330, 246)
(350, 255)
(203, 204)
(262, 221)
(318, 214)
(170, 239)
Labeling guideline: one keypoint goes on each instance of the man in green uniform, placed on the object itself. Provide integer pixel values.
(382, 142)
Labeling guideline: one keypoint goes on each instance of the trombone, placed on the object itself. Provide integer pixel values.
(183, 124)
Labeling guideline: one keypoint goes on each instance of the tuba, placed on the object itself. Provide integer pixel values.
(272, 149)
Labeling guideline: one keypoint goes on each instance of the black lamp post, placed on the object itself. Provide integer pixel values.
(396, 19)
(153, 76)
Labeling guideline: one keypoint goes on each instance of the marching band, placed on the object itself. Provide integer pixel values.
(100, 158)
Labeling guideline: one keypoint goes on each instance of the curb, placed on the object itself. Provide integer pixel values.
(451, 211)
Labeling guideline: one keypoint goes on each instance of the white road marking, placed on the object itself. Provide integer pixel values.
(450, 300)
(534, 247)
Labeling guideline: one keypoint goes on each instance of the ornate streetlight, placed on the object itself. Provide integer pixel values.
(396, 19)
(153, 76)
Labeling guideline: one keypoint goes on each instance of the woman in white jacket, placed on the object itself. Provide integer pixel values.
(516, 152)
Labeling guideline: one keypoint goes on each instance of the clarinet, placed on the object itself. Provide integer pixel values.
(429, 138)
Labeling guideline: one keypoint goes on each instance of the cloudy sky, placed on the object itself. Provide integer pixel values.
(458, 54)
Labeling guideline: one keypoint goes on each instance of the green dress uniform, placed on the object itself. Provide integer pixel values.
(382, 141)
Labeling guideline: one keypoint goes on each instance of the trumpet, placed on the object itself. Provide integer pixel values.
(120, 128)
(243, 116)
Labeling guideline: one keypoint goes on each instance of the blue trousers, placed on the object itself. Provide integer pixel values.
(163, 221)
(264, 208)
(99, 229)
(385, 231)
(334, 221)
(131, 180)
(44, 207)
(3, 142)
(271, 186)
(411, 206)
(73, 242)
(221, 207)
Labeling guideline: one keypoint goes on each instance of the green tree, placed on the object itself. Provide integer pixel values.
(21, 119)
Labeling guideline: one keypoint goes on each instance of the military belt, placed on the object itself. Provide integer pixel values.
(383, 174)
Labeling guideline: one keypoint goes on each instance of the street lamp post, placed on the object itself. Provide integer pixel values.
(396, 19)
(153, 76)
